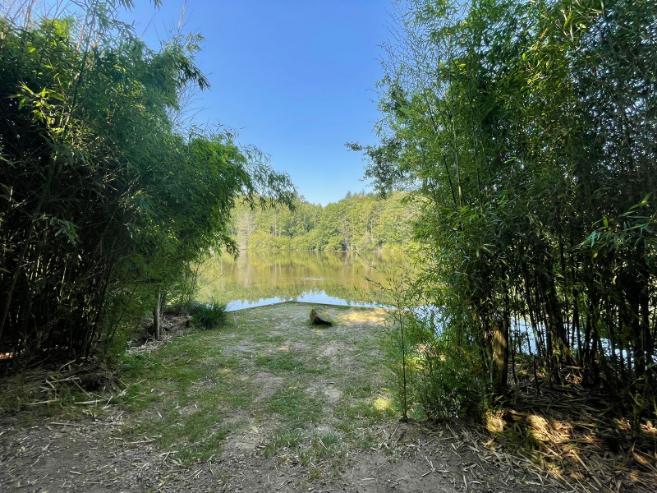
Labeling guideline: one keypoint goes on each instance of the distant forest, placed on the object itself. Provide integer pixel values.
(357, 223)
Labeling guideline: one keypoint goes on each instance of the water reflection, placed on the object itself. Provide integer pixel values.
(257, 280)
(317, 297)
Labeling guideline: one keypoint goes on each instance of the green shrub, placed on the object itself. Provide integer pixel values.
(104, 204)
(207, 315)
(437, 376)
(450, 380)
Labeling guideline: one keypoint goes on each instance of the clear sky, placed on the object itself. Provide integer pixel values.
(295, 78)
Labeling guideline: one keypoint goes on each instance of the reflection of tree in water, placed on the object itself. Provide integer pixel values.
(288, 275)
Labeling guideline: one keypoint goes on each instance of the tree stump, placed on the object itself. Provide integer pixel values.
(319, 317)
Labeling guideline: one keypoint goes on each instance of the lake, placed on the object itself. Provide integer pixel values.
(257, 279)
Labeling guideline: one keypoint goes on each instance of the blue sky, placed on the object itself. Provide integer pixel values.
(295, 78)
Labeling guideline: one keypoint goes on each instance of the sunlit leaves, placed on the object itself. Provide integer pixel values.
(529, 127)
(107, 204)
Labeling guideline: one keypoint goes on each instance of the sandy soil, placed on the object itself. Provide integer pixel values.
(97, 452)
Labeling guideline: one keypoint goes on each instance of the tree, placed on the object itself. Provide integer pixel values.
(357, 223)
(104, 205)
(528, 130)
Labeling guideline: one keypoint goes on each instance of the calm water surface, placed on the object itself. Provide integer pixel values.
(256, 280)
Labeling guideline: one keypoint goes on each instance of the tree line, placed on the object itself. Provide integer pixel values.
(105, 202)
(529, 130)
(357, 223)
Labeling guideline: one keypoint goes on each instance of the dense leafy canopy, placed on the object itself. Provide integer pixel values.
(529, 128)
(104, 203)
(357, 223)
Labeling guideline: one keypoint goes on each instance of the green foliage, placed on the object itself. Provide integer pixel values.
(208, 315)
(528, 128)
(450, 379)
(436, 375)
(104, 204)
(357, 223)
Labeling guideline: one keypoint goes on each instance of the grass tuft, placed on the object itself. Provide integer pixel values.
(208, 315)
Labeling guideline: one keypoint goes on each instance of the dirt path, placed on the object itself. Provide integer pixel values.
(266, 404)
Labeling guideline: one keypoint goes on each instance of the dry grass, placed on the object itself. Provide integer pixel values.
(308, 408)
(560, 432)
